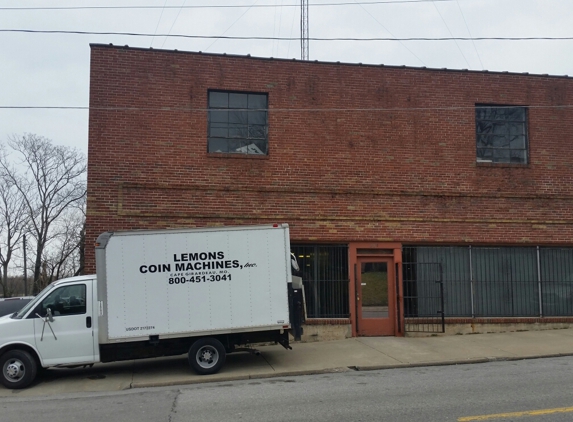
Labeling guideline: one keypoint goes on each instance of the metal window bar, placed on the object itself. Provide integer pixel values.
(472, 287)
(497, 281)
(505, 281)
(539, 297)
(423, 288)
(477, 281)
(556, 274)
(456, 277)
(325, 277)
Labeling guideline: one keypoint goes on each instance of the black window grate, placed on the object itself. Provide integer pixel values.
(325, 276)
(498, 281)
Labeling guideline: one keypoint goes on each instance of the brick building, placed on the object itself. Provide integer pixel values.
(395, 181)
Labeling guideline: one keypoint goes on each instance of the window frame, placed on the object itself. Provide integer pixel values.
(250, 136)
(507, 127)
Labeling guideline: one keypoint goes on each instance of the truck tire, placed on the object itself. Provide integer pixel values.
(207, 356)
(18, 369)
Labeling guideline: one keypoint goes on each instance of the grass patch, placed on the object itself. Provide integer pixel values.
(375, 292)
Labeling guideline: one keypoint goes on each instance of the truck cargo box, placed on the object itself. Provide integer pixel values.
(180, 283)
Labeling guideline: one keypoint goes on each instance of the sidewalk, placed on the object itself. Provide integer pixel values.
(364, 353)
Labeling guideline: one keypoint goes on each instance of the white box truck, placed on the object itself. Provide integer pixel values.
(160, 293)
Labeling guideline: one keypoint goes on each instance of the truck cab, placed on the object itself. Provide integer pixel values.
(55, 328)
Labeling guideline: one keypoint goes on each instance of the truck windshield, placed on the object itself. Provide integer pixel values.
(32, 303)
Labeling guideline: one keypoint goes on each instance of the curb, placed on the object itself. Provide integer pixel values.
(207, 379)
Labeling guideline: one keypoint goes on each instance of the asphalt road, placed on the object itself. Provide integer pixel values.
(440, 393)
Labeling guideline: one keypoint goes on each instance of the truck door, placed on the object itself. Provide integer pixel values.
(67, 337)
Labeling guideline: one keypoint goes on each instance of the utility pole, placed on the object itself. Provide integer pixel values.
(304, 29)
(25, 270)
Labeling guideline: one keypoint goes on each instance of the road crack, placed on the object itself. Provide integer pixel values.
(173, 410)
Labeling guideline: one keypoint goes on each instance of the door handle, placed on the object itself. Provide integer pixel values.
(89, 322)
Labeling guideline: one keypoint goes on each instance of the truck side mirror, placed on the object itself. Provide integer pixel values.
(294, 262)
(49, 315)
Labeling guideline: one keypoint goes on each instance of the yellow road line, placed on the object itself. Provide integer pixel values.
(516, 414)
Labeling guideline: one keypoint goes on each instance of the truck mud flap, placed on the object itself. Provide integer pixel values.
(283, 341)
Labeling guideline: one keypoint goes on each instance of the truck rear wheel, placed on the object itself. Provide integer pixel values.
(207, 356)
(18, 369)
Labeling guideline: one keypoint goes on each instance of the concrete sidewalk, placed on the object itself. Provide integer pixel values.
(365, 353)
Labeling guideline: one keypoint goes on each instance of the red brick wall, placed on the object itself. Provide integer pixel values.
(355, 152)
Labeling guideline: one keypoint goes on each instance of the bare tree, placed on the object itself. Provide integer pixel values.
(50, 178)
(64, 257)
(12, 221)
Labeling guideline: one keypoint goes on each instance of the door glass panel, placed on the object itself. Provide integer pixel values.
(374, 286)
(67, 300)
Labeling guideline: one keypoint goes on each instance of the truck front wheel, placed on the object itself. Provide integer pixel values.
(18, 369)
(207, 356)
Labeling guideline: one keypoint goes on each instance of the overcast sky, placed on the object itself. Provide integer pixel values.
(53, 69)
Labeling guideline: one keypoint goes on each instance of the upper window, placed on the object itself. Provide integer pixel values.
(238, 123)
(501, 134)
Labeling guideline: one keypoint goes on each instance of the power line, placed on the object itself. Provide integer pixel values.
(233, 24)
(159, 21)
(469, 32)
(387, 30)
(291, 29)
(282, 110)
(449, 30)
(173, 24)
(136, 34)
(212, 6)
(275, 30)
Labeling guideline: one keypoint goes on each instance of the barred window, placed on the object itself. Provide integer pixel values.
(325, 276)
(238, 123)
(501, 134)
(494, 281)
